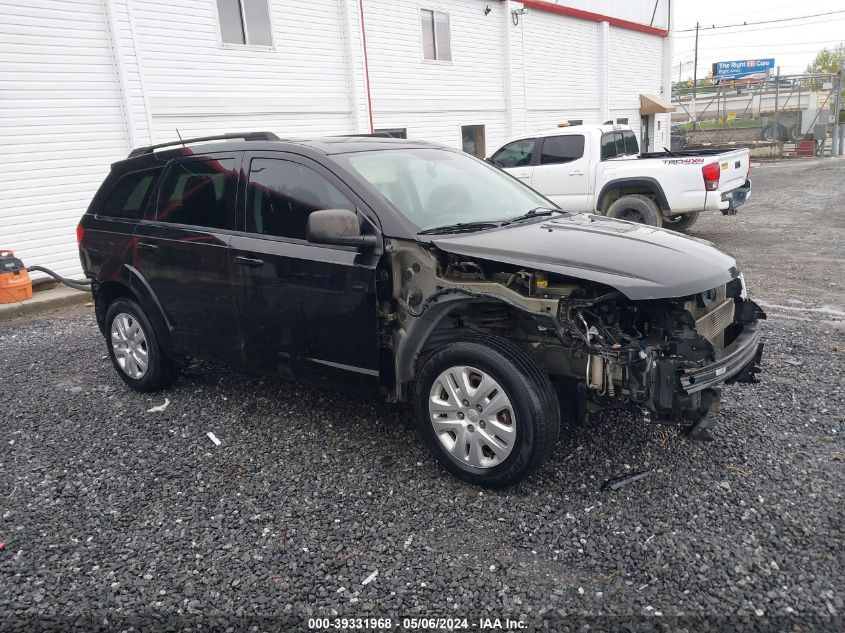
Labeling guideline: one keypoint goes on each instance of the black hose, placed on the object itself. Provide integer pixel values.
(77, 284)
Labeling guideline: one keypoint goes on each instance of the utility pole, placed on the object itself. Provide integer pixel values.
(836, 145)
(695, 78)
(695, 63)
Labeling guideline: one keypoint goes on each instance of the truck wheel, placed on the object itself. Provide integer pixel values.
(773, 132)
(134, 349)
(636, 208)
(486, 410)
(680, 222)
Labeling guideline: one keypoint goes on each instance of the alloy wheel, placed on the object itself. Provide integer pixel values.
(472, 416)
(129, 343)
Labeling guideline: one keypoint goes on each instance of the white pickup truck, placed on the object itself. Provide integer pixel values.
(599, 169)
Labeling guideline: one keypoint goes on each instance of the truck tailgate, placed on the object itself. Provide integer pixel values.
(734, 169)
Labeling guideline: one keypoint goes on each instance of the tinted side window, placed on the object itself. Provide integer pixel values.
(620, 143)
(199, 193)
(516, 154)
(281, 194)
(562, 149)
(608, 146)
(130, 194)
(631, 146)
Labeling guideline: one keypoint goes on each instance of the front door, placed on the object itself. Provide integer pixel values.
(517, 158)
(181, 254)
(563, 172)
(307, 311)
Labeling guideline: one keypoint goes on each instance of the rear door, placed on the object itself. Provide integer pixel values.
(181, 254)
(307, 310)
(517, 158)
(562, 174)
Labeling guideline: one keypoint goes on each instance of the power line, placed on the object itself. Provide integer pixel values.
(711, 33)
(739, 47)
(800, 17)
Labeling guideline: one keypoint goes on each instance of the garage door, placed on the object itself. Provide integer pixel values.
(61, 125)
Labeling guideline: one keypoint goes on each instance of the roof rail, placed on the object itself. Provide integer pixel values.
(247, 136)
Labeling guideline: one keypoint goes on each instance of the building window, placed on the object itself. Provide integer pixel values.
(244, 22)
(623, 120)
(472, 140)
(576, 121)
(393, 132)
(436, 38)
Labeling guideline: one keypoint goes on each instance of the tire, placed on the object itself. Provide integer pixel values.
(124, 320)
(503, 444)
(773, 132)
(680, 222)
(636, 208)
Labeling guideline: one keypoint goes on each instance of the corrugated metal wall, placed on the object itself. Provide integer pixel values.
(61, 124)
(83, 80)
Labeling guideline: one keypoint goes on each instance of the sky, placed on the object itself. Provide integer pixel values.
(793, 44)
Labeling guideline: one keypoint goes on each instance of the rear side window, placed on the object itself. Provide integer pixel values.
(562, 149)
(631, 146)
(199, 193)
(281, 194)
(515, 154)
(608, 146)
(129, 196)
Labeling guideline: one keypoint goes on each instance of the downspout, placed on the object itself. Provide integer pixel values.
(120, 74)
(508, 67)
(604, 73)
(351, 79)
(366, 64)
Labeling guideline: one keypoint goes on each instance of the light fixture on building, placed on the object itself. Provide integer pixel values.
(487, 10)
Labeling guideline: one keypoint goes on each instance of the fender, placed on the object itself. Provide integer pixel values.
(147, 298)
(646, 183)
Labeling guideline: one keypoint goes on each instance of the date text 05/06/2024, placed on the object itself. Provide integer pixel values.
(411, 624)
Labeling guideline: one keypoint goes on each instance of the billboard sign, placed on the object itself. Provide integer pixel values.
(742, 68)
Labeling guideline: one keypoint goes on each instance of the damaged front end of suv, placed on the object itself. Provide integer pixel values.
(607, 335)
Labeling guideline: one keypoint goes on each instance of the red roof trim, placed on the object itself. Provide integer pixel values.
(541, 5)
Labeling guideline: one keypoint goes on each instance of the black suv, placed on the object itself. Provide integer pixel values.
(417, 273)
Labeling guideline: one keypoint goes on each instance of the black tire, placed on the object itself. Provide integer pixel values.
(773, 132)
(161, 371)
(535, 407)
(680, 222)
(636, 208)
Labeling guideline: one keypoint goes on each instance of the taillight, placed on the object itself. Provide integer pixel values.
(80, 233)
(711, 175)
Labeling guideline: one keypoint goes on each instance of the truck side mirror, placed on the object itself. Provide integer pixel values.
(337, 226)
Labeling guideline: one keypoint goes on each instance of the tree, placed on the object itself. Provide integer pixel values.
(828, 60)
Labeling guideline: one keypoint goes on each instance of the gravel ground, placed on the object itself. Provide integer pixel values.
(115, 516)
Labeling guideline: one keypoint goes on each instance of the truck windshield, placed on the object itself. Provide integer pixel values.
(437, 187)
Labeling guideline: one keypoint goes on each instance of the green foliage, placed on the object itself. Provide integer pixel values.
(828, 60)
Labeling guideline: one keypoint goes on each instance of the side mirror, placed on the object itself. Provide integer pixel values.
(337, 226)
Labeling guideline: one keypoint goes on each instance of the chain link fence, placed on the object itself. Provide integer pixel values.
(786, 115)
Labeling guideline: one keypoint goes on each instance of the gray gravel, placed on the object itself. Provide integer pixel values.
(114, 516)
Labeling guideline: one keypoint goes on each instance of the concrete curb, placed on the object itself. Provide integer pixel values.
(44, 301)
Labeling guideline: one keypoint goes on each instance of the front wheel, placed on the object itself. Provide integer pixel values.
(486, 410)
(680, 222)
(636, 208)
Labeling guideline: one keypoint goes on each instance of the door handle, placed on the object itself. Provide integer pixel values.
(523, 176)
(146, 246)
(576, 173)
(246, 261)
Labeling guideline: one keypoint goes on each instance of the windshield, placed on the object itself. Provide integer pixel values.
(436, 187)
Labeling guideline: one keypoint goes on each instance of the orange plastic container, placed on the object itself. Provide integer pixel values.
(15, 284)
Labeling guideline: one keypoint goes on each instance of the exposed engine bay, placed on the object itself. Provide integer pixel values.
(599, 347)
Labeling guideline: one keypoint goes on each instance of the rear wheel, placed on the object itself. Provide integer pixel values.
(486, 410)
(134, 348)
(680, 222)
(636, 208)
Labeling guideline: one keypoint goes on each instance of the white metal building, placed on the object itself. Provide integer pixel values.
(83, 81)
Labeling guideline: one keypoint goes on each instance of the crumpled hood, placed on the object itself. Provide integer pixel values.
(642, 262)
